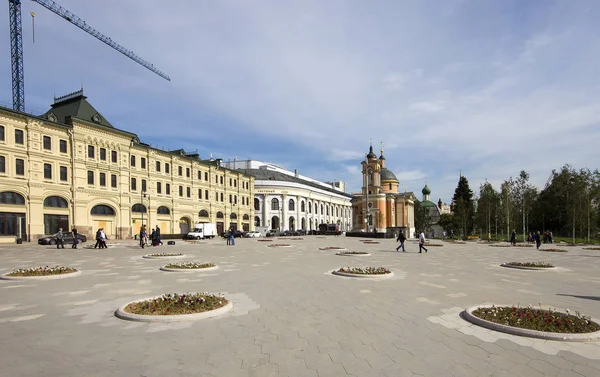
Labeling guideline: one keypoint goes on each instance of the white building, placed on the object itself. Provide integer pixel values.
(285, 200)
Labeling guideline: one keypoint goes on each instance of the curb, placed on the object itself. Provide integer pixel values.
(147, 256)
(333, 248)
(49, 277)
(353, 255)
(528, 268)
(188, 269)
(122, 314)
(363, 276)
(467, 314)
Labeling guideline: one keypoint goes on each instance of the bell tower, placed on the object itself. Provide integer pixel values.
(371, 171)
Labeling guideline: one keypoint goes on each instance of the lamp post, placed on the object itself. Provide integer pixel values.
(142, 196)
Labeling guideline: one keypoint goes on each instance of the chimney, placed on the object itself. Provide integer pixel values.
(296, 173)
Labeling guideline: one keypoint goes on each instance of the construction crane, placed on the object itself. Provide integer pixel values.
(16, 46)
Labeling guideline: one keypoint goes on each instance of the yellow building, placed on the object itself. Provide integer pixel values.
(386, 210)
(71, 167)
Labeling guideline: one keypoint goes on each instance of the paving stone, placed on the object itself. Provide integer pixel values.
(544, 367)
(524, 370)
(585, 370)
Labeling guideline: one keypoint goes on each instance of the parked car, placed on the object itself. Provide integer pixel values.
(67, 239)
(236, 234)
(253, 234)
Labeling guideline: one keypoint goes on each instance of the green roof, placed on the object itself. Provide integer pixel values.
(426, 190)
(75, 105)
(428, 203)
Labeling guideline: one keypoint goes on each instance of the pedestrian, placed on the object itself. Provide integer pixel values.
(157, 236)
(401, 238)
(444, 235)
(538, 240)
(228, 238)
(98, 238)
(152, 237)
(422, 242)
(59, 239)
(513, 238)
(103, 239)
(489, 237)
(232, 237)
(550, 236)
(75, 239)
(143, 236)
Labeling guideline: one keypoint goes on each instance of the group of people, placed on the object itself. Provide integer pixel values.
(401, 238)
(230, 238)
(533, 237)
(60, 241)
(154, 236)
(101, 239)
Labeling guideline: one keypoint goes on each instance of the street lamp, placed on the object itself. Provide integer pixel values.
(142, 196)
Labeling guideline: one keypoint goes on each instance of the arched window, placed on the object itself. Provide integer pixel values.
(203, 213)
(302, 207)
(292, 205)
(219, 215)
(139, 208)
(256, 221)
(322, 212)
(327, 209)
(246, 217)
(162, 210)
(274, 204)
(316, 209)
(337, 212)
(102, 210)
(55, 202)
(309, 207)
(9, 197)
(256, 204)
(233, 216)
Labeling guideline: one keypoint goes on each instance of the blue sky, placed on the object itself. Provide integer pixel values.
(484, 87)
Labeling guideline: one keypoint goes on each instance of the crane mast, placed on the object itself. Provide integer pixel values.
(16, 42)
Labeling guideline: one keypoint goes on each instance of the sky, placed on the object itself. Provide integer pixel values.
(482, 88)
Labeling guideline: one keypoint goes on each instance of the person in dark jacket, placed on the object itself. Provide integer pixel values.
(538, 240)
(401, 238)
(75, 239)
(98, 239)
(59, 239)
(513, 238)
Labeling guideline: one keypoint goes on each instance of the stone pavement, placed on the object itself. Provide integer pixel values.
(291, 317)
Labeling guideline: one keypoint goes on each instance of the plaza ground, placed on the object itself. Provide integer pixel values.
(291, 317)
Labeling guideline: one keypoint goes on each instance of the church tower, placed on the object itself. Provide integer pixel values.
(371, 171)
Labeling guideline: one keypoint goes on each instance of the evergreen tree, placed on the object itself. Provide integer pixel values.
(464, 208)
(422, 217)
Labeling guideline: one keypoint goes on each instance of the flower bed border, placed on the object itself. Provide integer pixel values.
(591, 248)
(167, 269)
(371, 242)
(353, 255)
(468, 315)
(45, 277)
(148, 256)
(362, 276)
(280, 245)
(554, 250)
(122, 314)
(527, 268)
(338, 248)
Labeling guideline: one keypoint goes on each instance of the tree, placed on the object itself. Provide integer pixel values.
(448, 223)
(523, 195)
(422, 217)
(464, 210)
(506, 202)
(487, 206)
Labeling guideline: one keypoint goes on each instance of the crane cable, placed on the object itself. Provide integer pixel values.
(33, 24)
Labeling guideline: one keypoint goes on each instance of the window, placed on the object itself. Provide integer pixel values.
(235, 199)
(113, 181)
(55, 202)
(221, 196)
(235, 183)
(167, 168)
(9, 197)
(47, 143)
(90, 177)
(102, 210)
(47, 171)
(230, 199)
(180, 190)
(62, 145)
(9, 223)
(20, 166)
(162, 210)
(52, 223)
(302, 208)
(274, 205)
(203, 213)
(2, 164)
(143, 163)
(188, 192)
(103, 154)
(103, 179)
(256, 204)
(230, 182)
(220, 215)
(19, 137)
(292, 205)
(206, 176)
(91, 151)
(180, 170)
(139, 208)
(168, 189)
(158, 188)
(390, 186)
(199, 193)
(233, 216)
(158, 166)
(133, 184)
(132, 163)
(113, 156)
(216, 179)
(143, 185)
(216, 196)
(243, 200)
(206, 194)
(187, 172)
(199, 175)
(221, 179)
(1, 133)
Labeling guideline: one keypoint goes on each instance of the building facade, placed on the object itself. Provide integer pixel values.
(379, 207)
(285, 200)
(72, 168)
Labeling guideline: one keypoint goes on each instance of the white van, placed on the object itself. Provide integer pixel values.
(203, 230)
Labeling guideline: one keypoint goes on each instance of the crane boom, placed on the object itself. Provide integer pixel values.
(16, 55)
(69, 16)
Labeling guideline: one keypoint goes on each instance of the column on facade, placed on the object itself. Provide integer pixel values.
(298, 218)
(284, 222)
(264, 210)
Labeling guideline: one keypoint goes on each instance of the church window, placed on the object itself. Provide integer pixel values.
(291, 205)
(274, 205)
(302, 208)
(390, 186)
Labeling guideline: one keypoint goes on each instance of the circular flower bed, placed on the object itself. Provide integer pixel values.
(433, 244)
(370, 242)
(41, 273)
(591, 248)
(175, 307)
(264, 240)
(500, 245)
(536, 323)
(189, 267)
(164, 255)
(364, 272)
(353, 253)
(554, 250)
(280, 245)
(528, 265)
(523, 245)
(332, 248)
(296, 239)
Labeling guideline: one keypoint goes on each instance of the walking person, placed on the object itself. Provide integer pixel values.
(103, 239)
(75, 239)
(538, 240)
(401, 238)
(422, 242)
(59, 239)
(232, 235)
(98, 238)
(228, 237)
(153, 237)
(157, 236)
(143, 236)
(513, 238)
